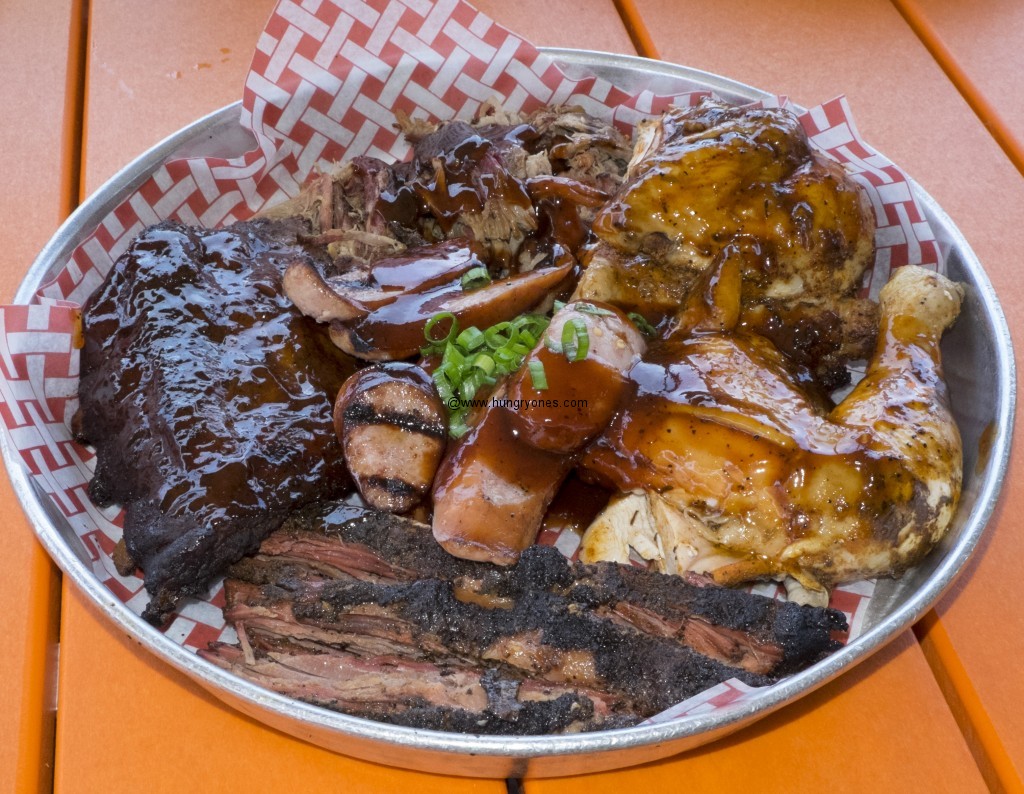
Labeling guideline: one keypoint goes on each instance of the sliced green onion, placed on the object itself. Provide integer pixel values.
(484, 363)
(444, 385)
(590, 308)
(558, 306)
(475, 277)
(457, 427)
(470, 339)
(433, 322)
(505, 359)
(472, 361)
(575, 339)
(641, 324)
(538, 377)
(453, 359)
(498, 336)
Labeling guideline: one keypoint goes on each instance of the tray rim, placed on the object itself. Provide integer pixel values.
(671, 734)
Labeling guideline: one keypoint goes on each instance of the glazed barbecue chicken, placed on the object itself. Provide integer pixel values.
(726, 464)
(717, 180)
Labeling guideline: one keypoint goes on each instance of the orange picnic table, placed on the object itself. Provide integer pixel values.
(935, 84)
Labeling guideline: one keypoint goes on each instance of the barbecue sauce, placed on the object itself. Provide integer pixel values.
(207, 396)
(464, 179)
(427, 266)
(397, 328)
(720, 172)
(725, 419)
(494, 487)
(471, 179)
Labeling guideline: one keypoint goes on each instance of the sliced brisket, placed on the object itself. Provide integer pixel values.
(748, 631)
(338, 579)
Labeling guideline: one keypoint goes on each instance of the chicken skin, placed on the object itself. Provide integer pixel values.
(726, 465)
(718, 180)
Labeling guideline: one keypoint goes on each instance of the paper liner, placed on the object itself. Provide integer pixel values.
(324, 83)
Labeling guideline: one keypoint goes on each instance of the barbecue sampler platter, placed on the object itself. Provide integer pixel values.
(978, 368)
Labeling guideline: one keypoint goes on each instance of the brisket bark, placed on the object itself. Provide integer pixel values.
(619, 644)
(374, 661)
(758, 634)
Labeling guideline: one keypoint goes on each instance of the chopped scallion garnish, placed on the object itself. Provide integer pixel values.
(473, 360)
(575, 339)
(538, 377)
(475, 277)
(641, 324)
(470, 339)
(436, 320)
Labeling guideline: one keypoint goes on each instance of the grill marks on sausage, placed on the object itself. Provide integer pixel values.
(364, 413)
(393, 431)
(396, 487)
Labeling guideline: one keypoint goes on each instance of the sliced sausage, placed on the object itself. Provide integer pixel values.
(393, 431)
(496, 483)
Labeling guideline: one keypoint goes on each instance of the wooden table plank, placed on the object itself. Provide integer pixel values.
(148, 76)
(38, 56)
(907, 107)
(129, 723)
(152, 70)
(139, 95)
(980, 45)
(846, 737)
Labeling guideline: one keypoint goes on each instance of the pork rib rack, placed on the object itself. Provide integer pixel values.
(207, 397)
(362, 612)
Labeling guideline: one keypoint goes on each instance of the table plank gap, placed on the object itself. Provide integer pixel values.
(637, 30)
(990, 754)
(911, 11)
(35, 47)
(74, 106)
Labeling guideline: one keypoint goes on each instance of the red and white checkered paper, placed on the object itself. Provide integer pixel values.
(325, 80)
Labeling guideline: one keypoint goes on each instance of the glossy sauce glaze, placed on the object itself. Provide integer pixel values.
(427, 266)
(720, 425)
(561, 203)
(463, 179)
(208, 399)
(492, 490)
(574, 507)
(469, 177)
(495, 485)
(715, 181)
(719, 173)
(723, 418)
(396, 329)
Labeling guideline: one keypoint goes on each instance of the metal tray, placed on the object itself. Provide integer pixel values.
(979, 367)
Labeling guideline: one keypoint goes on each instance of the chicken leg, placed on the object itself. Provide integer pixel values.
(726, 465)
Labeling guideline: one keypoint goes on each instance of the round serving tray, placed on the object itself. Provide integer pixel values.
(978, 362)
